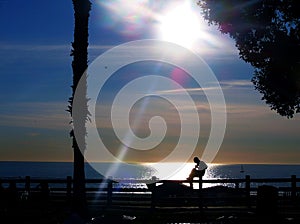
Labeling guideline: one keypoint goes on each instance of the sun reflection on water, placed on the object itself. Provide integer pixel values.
(181, 172)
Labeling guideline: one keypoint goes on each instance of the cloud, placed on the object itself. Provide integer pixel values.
(33, 134)
(33, 47)
(181, 90)
(248, 110)
(225, 84)
(48, 47)
(48, 115)
(236, 83)
(55, 121)
(100, 47)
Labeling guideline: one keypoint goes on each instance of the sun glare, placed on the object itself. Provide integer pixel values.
(180, 24)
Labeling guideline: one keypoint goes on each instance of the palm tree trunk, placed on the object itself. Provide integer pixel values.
(79, 65)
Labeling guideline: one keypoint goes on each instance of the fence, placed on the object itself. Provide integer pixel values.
(143, 193)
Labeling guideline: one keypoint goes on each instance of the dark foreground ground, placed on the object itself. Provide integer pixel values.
(62, 215)
(219, 205)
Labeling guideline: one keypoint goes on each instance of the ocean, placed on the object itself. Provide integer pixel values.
(61, 170)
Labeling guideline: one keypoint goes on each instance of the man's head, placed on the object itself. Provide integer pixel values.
(196, 160)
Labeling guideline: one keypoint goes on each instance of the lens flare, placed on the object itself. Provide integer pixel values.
(131, 19)
(161, 51)
(180, 25)
(175, 21)
(179, 76)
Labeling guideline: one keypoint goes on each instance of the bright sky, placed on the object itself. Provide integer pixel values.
(36, 75)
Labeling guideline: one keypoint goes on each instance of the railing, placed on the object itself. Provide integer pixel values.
(106, 192)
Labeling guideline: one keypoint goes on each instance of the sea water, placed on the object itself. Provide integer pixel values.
(175, 171)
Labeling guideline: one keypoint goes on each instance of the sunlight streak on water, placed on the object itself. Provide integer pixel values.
(183, 172)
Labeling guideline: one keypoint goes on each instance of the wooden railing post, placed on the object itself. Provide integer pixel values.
(293, 188)
(27, 184)
(237, 185)
(109, 192)
(200, 193)
(153, 196)
(69, 188)
(247, 188)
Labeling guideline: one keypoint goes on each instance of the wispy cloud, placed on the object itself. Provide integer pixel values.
(236, 83)
(228, 84)
(55, 121)
(51, 115)
(179, 91)
(32, 47)
(248, 110)
(33, 134)
(101, 47)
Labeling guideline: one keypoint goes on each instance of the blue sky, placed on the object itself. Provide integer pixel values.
(36, 75)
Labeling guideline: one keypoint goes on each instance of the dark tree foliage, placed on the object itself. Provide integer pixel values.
(79, 65)
(267, 35)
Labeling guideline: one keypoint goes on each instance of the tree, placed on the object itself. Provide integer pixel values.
(79, 65)
(267, 36)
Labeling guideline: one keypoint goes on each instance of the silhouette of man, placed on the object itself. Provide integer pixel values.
(199, 169)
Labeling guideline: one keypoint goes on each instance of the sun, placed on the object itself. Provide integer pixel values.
(181, 25)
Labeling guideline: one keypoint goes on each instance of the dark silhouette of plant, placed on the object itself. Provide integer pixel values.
(267, 36)
(79, 65)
